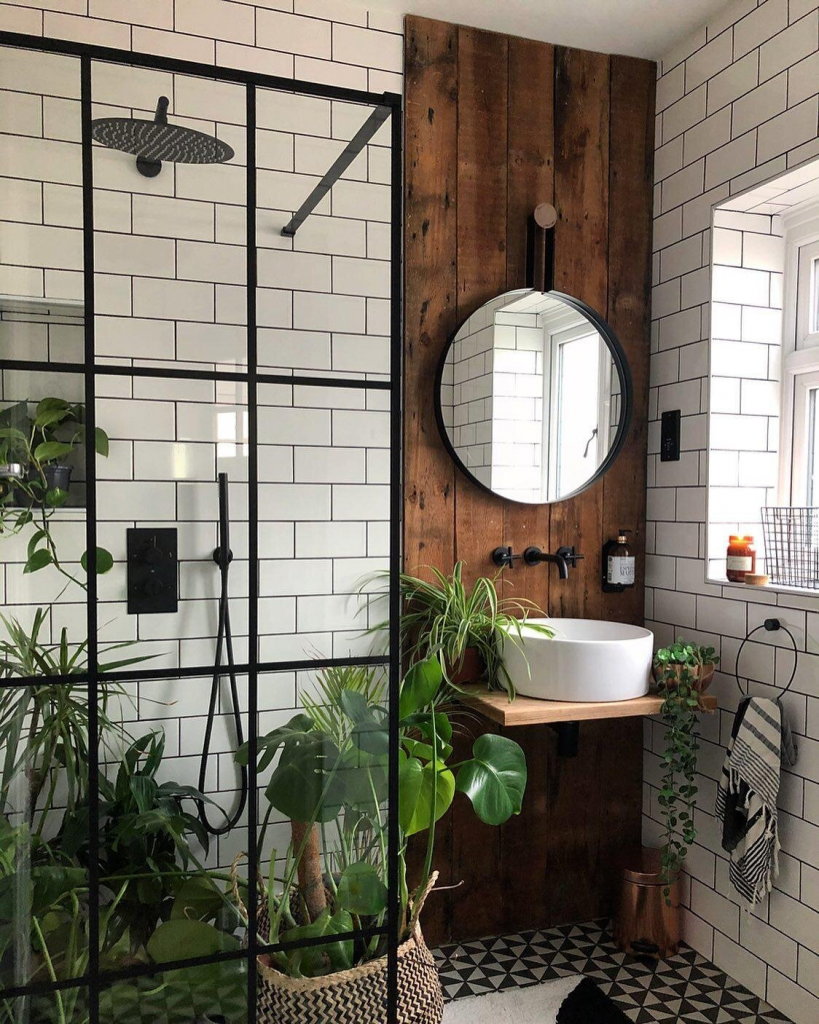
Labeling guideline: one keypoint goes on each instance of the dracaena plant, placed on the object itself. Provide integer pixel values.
(47, 439)
(44, 725)
(330, 779)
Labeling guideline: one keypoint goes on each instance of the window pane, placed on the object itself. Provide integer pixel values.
(577, 416)
(814, 296)
(813, 447)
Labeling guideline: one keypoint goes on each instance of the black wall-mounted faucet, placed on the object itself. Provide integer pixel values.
(564, 558)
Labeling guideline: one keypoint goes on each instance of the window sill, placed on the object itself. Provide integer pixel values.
(770, 588)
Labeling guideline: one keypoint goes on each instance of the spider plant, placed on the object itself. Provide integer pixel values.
(443, 618)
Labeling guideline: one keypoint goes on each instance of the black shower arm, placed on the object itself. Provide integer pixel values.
(340, 165)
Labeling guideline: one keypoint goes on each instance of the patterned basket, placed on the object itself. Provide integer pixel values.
(359, 995)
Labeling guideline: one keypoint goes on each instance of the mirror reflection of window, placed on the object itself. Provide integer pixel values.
(530, 399)
(578, 411)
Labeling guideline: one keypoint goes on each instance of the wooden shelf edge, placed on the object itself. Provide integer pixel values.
(532, 711)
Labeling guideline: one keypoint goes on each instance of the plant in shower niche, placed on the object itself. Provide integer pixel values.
(329, 778)
(41, 446)
(463, 627)
(681, 671)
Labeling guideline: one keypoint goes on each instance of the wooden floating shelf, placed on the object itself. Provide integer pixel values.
(532, 711)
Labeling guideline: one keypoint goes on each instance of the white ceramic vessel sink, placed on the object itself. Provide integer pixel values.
(586, 660)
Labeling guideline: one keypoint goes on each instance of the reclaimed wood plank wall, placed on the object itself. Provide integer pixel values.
(495, 125)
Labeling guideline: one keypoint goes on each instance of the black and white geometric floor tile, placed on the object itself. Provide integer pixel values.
(686, 989)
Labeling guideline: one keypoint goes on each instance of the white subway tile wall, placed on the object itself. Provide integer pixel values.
(742, 94)
(170, 262)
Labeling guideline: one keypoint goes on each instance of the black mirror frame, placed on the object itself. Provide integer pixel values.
(626, 386)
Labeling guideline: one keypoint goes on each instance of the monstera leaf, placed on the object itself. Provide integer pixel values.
(416, 784)
(495, 778)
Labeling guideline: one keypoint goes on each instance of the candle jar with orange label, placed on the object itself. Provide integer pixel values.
(741, 558)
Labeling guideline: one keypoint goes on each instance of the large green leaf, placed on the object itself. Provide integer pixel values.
(197, 899)
(361, 891)
(495, 778)
(415, 792)
(420, 685)
(182, 938)
(105, 561)
(48, 451)
(317, 960)
(50, 883)
(370, 726)
(38, 560)
(306, 784)
(101, 442)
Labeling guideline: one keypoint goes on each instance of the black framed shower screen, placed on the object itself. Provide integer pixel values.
(95, 979)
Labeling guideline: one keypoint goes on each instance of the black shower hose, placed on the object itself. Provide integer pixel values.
(224, 643)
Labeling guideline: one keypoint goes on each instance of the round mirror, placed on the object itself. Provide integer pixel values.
(533, 396)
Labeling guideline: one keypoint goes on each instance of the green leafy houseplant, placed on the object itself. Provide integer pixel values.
(42, 444)
(678, 670)
(330, 778)
(444, 619)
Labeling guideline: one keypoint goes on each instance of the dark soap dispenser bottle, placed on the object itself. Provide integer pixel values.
(618, 564)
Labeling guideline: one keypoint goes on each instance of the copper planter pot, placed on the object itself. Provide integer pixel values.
(645, 925)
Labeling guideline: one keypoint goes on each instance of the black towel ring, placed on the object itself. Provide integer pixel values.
(771, 625)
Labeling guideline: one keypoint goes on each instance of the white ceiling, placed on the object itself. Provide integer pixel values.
(640, 28)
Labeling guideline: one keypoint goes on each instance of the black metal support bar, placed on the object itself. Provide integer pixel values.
(339, 166)
(568, 738)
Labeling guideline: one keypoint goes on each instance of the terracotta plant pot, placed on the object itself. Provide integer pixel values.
(703, 676)
(645, 925)
(469, 669)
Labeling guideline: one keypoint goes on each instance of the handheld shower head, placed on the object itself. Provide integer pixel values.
(151, 142)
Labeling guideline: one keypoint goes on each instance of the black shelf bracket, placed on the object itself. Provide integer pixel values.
(568, 738)
(339, 166)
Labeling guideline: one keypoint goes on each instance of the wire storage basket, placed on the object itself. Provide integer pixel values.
(792, 546)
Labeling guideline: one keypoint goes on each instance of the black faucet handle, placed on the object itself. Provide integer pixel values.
(504, 557)
(568, 554)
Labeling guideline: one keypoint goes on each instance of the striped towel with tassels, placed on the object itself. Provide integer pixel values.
(760, 743)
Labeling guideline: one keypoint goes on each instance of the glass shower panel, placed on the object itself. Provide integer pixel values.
(43, 516)
(173, 825)
(41, 249)
(172, 438)
(170, 245)
(323, 813)
(323, 296)
(43, 838)
(210, 992)
(324, 465)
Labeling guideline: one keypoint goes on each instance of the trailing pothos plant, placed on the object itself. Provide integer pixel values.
(40, 444)
(677, 669)
(330, 780)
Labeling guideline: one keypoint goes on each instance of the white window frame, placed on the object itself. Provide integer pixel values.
(554, 340)
(800, 352)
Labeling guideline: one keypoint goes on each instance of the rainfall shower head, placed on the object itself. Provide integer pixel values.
(151, 142)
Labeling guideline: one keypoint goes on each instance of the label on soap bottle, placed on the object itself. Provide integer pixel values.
(621, 570)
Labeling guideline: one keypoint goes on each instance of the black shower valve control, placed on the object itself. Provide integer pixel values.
(152, 576)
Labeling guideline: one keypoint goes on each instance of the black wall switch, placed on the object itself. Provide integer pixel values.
(670, 436)
(152, 578)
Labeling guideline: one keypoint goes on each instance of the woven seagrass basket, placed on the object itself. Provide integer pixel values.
(358, 995)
